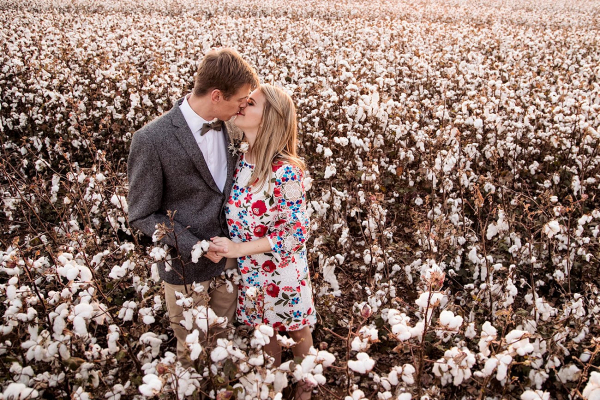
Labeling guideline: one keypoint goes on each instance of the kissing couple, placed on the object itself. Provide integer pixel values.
(185, 173)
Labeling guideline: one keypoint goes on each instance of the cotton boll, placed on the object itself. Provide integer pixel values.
(152, 385)
(325, 358)
(569, 373)
(471, 332)
(435, 299)
(199, 249)
(262, 336)
(362, 364)
(257, 360)
(455, 366)
(330, 171)
(357, 394)
(112, 339)
(551, 228)
(585, 356)
(219, 354)
(518, 342)
(158, 253)
(448, 320)
(488, 334)
(19, 391)
(535, 395)
(119, 202)
(359, 344)
(491, 231)
(408, 372)
(592, 389)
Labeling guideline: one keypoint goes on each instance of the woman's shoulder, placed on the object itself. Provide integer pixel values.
(290, 170)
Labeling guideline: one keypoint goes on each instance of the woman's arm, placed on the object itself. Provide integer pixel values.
(235, 250)
(291, 229)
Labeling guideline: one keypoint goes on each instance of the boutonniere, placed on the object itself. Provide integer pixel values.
(237, 146)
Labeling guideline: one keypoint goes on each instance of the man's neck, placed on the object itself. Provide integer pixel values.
(201, 106)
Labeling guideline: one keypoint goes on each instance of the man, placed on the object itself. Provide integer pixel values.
(179, 165)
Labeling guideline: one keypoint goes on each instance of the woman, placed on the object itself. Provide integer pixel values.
(266, 214)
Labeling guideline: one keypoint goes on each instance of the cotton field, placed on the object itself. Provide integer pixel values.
(454, 171)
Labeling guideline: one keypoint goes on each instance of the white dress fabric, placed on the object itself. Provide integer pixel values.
(275, 289)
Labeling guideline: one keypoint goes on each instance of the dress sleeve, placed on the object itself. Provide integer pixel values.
(290, 230)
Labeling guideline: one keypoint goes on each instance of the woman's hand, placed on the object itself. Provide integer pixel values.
(228, 249)
(215, 253)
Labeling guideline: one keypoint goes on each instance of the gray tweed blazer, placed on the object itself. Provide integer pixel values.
(167, 172)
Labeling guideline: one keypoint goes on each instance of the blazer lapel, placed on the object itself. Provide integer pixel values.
(186, 138)
(231, 163)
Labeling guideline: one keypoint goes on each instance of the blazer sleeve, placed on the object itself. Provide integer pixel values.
(145, 176)
(291, 227)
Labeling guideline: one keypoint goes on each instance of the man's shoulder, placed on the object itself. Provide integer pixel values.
(158, 125)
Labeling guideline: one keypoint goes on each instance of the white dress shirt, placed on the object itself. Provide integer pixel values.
(212, 144)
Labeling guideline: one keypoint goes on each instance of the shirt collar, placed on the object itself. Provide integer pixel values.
(193, 120)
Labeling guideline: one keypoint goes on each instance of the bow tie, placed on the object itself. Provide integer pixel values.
(207, 126)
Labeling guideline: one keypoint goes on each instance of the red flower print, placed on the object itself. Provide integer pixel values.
(259, 208)
(260, 231)
(277, 165)
(309, 311)
(277, 192)
(272, 290)
(238, 203)
(230, 201)
(279, 222)
(278, 326)
(269, 266)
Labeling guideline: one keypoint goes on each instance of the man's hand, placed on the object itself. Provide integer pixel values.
(215, 253)
(212, 256)
(229, 248)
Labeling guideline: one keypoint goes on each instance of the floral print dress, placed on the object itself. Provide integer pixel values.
(275, 287)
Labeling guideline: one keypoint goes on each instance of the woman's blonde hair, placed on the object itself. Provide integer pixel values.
(277, 137)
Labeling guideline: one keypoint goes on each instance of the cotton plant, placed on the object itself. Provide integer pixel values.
(484, 161)
(515, 343)
(455, 366)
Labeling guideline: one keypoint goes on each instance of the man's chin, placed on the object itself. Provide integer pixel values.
(231, 118)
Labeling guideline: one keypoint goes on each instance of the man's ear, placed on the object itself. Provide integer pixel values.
(216, 96)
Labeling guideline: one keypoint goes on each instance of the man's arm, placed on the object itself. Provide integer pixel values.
(145, 175)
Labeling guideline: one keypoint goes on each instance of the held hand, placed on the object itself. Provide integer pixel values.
(227, 248)
(218, 248)
(212, 256)
(215, 253)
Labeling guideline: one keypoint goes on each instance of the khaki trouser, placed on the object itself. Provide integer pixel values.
(221, 301)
